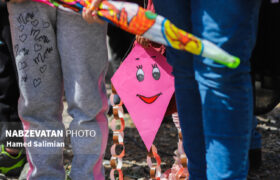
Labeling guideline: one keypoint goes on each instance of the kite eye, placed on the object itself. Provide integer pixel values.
(156, 72)
(140, 73)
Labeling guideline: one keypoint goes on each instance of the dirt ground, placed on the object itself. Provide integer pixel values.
(134, 162)
(135, 166)
(269, 127)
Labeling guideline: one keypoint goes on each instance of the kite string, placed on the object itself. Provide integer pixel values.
(132, 43)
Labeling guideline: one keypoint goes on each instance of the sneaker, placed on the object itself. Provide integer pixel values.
(2, 177)
(11, 165)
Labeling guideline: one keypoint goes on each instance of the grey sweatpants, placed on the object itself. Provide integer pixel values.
(56, 49)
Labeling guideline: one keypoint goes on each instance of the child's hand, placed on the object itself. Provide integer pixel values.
(142, 41)
(90, 14)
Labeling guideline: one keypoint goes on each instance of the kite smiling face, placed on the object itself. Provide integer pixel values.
(145, 85)
(152, 71)
(146, 77)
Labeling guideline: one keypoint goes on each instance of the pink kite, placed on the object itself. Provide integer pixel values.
(145, 85)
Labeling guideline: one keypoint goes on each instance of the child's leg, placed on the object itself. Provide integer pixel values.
(9, 93)
(226, 94)
(84, 62)
(186, 88)
(40, 82)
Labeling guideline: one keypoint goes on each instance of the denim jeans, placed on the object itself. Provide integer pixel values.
(214, 103)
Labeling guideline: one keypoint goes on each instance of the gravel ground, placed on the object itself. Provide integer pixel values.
(135, 166)
(269, 127)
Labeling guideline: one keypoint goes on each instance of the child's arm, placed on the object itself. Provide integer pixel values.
(90, 14)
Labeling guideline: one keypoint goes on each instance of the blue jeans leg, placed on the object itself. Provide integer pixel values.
(187, 94)
(226, 94)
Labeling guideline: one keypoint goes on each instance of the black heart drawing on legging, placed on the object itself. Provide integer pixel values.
(24, 78)
(22, 37)
(43, 68)
(37, 47)
(20, 28)
(16, 48)
(36, 82)
(35, 22)
(22, 65)
(46, 24)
